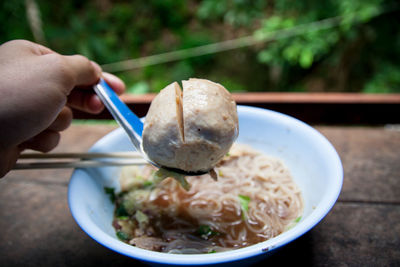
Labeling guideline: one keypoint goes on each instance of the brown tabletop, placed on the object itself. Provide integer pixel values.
(362, 229)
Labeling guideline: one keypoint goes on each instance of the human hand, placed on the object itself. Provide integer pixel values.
(37, 88)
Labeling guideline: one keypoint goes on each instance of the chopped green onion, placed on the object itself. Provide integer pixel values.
(161, 174)
(244, 205)
(148, 184)
(206, 232)
(121, 194)
(212, 251)
(293, 223)
(141, 218)
(111, 192)
(123, 218)
(121, 211)
(227, 154)
(244, 202)
(204, 229)
(123, 236)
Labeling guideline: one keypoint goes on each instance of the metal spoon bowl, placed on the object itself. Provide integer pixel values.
(131, 123)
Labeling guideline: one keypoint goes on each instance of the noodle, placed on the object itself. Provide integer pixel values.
(254, 199)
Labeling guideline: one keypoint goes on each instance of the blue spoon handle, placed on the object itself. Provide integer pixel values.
(121, 113)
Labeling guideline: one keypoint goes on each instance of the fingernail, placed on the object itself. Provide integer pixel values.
(96, 67)
(110, 77)
(117, 83)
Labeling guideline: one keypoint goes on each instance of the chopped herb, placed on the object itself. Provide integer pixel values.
(148, 184)
(161, 174)
(244, 202)
(203, 229)
(293, 224)
(212, 251)
(227, 154)
(122, 236)
(206, 232)
(121, 194)
(244, 205)
(111, 192)
(122, 218)
(141, 218)
(121, 211)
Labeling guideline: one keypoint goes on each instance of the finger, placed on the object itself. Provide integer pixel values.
(84, 71)
(9, 158)
(44, 141)
(114, 82)
(85, 100)
(63, 120)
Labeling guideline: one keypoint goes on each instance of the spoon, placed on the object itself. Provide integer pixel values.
(131, 123)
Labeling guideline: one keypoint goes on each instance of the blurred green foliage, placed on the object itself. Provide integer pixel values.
(362, 56)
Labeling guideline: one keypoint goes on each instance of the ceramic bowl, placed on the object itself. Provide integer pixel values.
(312, 160)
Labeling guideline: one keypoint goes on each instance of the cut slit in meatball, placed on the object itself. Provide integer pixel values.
(192, 130)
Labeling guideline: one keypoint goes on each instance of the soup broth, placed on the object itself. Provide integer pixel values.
(254, 199)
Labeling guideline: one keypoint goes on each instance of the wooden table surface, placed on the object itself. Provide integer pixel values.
(362, 229)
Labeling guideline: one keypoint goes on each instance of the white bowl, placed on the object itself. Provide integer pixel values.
(312, 160)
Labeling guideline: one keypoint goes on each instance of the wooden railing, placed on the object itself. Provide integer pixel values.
(313, 108)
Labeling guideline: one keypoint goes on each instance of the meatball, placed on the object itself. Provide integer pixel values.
(190, 131)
